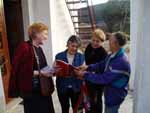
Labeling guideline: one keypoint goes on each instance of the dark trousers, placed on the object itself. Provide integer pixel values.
(95, 97)
(112, 109)
(38, 104)
(66, 97)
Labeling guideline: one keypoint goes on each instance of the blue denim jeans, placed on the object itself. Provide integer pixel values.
(113, 109)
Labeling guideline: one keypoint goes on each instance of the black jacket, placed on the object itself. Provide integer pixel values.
(93, 55)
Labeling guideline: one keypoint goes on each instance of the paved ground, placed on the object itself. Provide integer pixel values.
(2, 108)
(126, 107)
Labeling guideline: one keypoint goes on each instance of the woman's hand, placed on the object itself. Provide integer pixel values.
(35, 73)
(43, 73)
(46, 74)
(82, 67)
(79, 73)
(57, 71)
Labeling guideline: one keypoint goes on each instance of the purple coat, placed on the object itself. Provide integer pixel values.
(115, 77)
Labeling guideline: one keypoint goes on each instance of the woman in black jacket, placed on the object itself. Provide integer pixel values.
(95, 53)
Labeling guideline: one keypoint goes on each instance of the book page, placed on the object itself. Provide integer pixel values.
(51, 70)
(48, 69)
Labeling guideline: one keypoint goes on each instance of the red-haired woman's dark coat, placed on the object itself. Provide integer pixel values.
(20, 83)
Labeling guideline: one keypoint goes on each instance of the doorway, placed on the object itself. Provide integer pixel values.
(14, 24)
(11, 34)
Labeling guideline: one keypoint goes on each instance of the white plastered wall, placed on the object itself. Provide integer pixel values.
(140, 11)
(53, 13)
(62, 26)
(2, 98)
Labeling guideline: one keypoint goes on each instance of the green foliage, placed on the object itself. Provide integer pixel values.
(116, 14)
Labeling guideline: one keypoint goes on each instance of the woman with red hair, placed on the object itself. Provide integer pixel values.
(24, 81)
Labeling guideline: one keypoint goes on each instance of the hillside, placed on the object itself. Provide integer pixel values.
(116, 15)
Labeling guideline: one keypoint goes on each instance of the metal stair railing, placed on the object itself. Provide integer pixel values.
(82, 28)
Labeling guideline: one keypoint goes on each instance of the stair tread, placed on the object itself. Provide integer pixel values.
(84, 32)
(85, 16)
(83, 27)
(76, 2)
(73, 9)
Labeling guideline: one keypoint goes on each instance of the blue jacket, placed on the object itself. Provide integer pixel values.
(115, 77)
(63, 83)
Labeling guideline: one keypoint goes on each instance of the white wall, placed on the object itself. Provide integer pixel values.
(2, 98)
(141, 10)
(27, 20)
(62, 26)
(38, 11)
(53, 13)
(134, 35)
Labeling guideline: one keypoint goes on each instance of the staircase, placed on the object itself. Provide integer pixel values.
(83, 19)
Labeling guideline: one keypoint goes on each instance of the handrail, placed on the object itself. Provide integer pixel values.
(70, 16)
(91, 13)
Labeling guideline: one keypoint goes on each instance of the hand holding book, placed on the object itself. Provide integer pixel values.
(79, 73)
(65, 69)
(48, 71)
(82, 67)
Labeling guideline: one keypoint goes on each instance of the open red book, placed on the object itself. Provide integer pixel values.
(66, 69)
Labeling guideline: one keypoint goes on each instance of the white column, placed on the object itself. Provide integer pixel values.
(61, 25)
(141, 9)
(41, 13)
(134, 34)
(27, 13)
(53, 13)
(2, 98)
(38, 11)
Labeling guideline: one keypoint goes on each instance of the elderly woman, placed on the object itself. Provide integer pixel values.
(115, 76)
(95, 53)
(24, 81)
(68, 89)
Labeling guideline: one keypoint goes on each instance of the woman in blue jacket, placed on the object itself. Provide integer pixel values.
(115, 76)
(68, 89)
